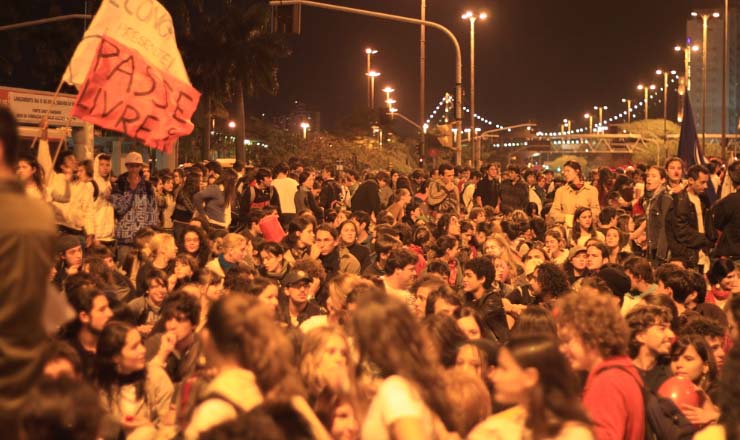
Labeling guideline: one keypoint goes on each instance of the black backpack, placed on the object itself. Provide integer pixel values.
(663, 419)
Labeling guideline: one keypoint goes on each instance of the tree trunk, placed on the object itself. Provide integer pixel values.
(241, 125)
(205, 146)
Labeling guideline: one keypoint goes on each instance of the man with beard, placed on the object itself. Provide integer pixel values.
(650, 343)
(295, 306)
(92, 312)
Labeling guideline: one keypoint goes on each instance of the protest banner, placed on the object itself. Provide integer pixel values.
(142, 25)
(124, 92)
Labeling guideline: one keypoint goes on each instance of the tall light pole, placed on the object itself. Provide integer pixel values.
(372, 74)
(470, 16)
(629, 108)
(704, 26)
(646, 88)
(665, 102)
(725, 57)
(422, 74)
(369, 52)
(590, 118)
(601, 115)
(687, 61)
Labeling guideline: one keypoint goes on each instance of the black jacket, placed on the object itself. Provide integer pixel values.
(684, 239)
(514, 196)
(489, 191)
(491, 309)
(726, 218)
(367, 198)
(657, 209)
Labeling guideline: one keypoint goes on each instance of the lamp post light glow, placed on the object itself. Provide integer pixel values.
(629, 108)
(232, 125)
(372, 74)
(646, 89)
(471, 17)
(369, 52)
(590, 118)
(601, 114)
(305, 126)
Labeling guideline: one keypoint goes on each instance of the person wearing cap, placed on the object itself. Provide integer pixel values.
(27, 233)
(576, 265)
(295, 307)
(69, 252)
(574, 194)
(134, 203)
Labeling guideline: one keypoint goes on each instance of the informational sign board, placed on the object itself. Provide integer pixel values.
(29, 106)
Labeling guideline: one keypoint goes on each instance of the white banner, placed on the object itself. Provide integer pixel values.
(142, 25)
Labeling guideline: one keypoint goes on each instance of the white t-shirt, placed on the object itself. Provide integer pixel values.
(396, 399)
(286, 189)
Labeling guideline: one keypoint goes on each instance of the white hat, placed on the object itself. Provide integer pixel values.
(134, 158)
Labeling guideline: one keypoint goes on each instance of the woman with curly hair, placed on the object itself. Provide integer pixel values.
(533, 375)
(193, 241)
(594, 338)
(410, 400)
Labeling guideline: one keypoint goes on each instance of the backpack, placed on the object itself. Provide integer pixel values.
(259, 205)
(663, 419)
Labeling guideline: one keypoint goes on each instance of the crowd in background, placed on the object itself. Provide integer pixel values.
(298, 301)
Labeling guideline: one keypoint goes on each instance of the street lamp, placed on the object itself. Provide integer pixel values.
(305, 126)
(705, 16)
(232, 125)
(665, 100)
(590, 118)
(470, 16)
(601, 114)
(646, 88)
(372, 74)
(687, 61)
(629, 108)
(369, 52)
(565, 128)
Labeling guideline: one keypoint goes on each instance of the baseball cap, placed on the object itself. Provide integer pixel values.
(295, 276)
(574, 251)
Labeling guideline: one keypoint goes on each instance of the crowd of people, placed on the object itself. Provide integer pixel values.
(299, 302)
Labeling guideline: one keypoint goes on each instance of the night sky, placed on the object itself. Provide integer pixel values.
(535, 59)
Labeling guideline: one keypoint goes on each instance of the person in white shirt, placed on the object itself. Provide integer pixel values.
(104, 214)
(286, 188)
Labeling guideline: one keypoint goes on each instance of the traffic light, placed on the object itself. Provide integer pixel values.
(286, 19)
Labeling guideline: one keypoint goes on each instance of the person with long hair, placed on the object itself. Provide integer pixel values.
(252, 357)
(555, 246)
(584, 227)
(184, 209)
(617, 242)
(409, 402)
(193, 241)
(266, 290)
(214, 203)
(728, 427)
(31, 173)
(326, 366)
(138, 395)
(533, 375)
(304, 198)
(692, 358)
(301, 240)
(348, 234)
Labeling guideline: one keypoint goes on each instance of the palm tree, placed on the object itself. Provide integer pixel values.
(229, 53)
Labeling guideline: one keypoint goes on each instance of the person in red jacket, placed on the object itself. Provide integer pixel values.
(594, 338)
